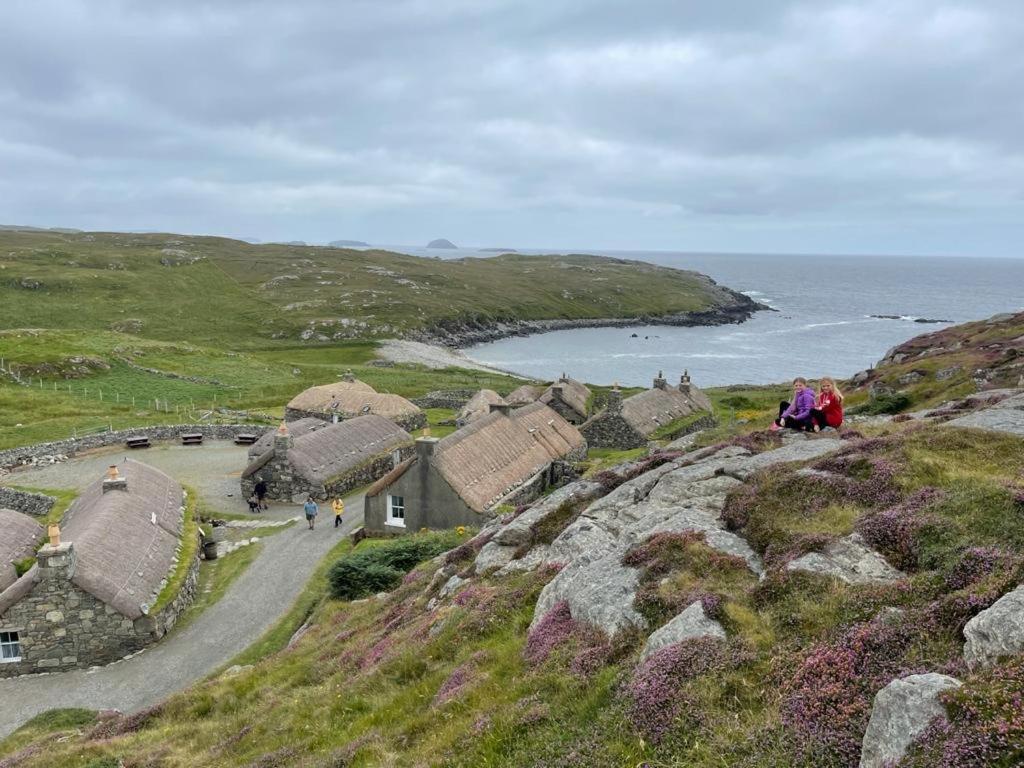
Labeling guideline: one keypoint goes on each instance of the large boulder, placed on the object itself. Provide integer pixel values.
(519, 531)
(689, 624)
(902, 710)
(850, 560)
(599, 593)
(996, 631)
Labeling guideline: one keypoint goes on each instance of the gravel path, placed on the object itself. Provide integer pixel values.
(253, 603)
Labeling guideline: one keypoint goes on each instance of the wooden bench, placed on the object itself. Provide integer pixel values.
(245, 439)
(139, 441)
(192, 438)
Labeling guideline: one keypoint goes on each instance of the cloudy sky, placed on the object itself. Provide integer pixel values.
(888, 126)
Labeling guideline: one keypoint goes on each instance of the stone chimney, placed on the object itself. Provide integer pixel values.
(556, 392)
(57, 563)
(114, 481)
(282, 441)
(425, 448)
(504, 408)
(615, 400)
(660, 382)
(684, 383)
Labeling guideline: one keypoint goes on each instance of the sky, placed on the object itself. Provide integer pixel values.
(874, 127)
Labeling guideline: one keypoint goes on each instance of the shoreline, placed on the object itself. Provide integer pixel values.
(436, 356)
(459, 336)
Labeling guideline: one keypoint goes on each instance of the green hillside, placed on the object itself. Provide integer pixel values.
(217, 291)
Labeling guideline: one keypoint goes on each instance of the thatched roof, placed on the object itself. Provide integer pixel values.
(350, 399)
(523, 395)
(575, 394)
(336, 449)
(389, 479)
(647, 411)
(477, 406)
(20, 536)
(486, 460)
(296, 428)
(126, 540)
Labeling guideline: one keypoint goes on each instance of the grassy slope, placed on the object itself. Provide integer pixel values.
(238, 295)
(361, 689)
(993, 347)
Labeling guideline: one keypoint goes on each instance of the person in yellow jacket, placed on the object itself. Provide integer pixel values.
(338, 505)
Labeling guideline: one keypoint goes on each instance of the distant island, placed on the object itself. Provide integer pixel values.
(348, 244)
(288, 242)
(498, 250)
(442, 243)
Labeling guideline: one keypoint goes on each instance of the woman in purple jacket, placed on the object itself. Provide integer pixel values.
(797, 415)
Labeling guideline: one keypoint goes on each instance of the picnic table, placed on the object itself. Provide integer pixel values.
(245, 439)
(137, 441)
(192, 438)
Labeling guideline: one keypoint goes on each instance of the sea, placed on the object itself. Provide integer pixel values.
(823, 319)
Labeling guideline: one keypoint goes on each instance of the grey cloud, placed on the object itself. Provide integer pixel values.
(564, 123)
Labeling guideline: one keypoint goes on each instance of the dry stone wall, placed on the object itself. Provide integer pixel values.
(35, 504)
(14, 457)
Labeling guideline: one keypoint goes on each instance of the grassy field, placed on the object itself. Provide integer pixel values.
(235, 295)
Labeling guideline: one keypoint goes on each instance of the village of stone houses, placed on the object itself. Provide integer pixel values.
(611, 574)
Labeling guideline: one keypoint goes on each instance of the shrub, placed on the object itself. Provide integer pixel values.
(895, 531)
(886, 403)
(827, 701)
(985, 725)
(367, 570)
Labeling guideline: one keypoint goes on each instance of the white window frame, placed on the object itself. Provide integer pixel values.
(393, 507)
(10, 641)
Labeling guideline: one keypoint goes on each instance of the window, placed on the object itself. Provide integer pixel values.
(10, 647)
(396, 510)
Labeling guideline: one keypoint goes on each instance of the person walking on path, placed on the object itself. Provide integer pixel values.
(261, 492)
(311, 510)
(338, 505)
(828, 412)
(797, 415)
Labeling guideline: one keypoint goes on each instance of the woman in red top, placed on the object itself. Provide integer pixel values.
(828, 411)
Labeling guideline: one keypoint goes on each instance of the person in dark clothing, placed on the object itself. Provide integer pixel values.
(261, 492)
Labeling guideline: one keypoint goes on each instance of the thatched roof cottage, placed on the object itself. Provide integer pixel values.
(568, 397)
(631, 422)
(524, 395)
(507, 457)
(350, 398)
(21, 535)
(478, 406)
(329, 461)
(88, 597)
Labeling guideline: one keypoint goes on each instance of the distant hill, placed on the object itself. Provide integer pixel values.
(348, 244)
(498, 250)
(441, 243)
(218, 291)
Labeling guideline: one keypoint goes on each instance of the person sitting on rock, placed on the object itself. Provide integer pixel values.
(797, 414)
(828, 411)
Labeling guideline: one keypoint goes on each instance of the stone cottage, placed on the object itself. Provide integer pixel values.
(478, 406)
(507, 457)
(630, 422)
(329, 461)
(350, 398)
(295, 428)
(569, 398)
(87, 598)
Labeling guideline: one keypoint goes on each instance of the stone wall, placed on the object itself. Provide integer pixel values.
(61, 626)
(611, 430)
(444, 398)
(13, 457)
(35, 504)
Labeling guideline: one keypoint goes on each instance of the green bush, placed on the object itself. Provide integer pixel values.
(886, 403)
(380, 567)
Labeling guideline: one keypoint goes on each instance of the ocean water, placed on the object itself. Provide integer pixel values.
(821, 326)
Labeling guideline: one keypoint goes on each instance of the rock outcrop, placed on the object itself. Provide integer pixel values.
(687, 494)
(902, 710)
(850, 560)
(691, 623)
(996, 631)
